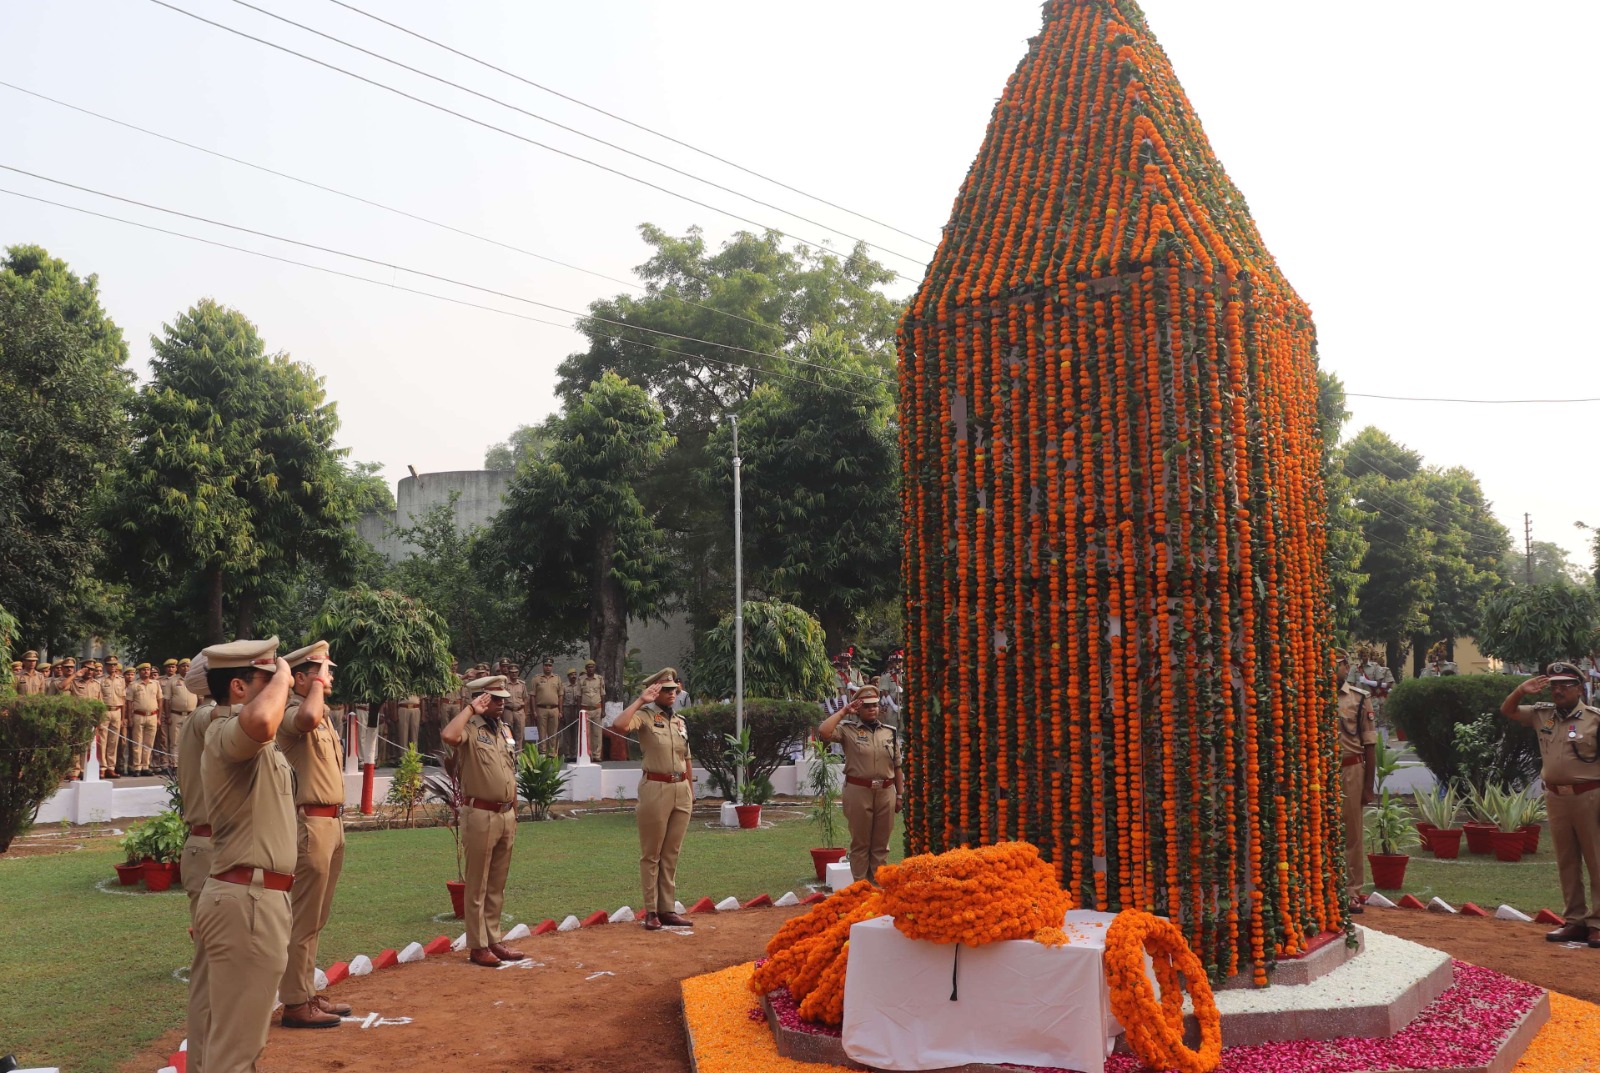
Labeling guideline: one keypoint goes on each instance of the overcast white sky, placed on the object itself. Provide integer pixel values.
(1421, 170)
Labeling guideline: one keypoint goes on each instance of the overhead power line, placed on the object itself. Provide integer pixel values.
(387, 285)
(1472, 402)
(623, 119)
(513, 134)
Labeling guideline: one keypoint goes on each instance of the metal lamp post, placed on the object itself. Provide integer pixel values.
(738, 598)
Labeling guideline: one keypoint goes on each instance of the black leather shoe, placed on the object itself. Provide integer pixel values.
(652, 922)
(1567, 933)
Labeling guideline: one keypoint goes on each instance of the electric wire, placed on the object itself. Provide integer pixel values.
(1471, 402)
(623, 119)
(820, 247)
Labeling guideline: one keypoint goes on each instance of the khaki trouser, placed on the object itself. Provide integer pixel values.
(1352, 780)
(112, 740)
(870, 814)
(663, 815)
(549, 724)
(319, 858)
(407, 723)
(160, 745)
(245, 931)
(196, 870)
(1575, 830)
(518, 722)
(596, 733)
(175, 724)
(144, 736)
(487, 838)
(568, 743)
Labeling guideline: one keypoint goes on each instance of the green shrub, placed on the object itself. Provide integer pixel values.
(38, 739)
(785, 655)
(1429, 710)
(540, 780)
(777, 729)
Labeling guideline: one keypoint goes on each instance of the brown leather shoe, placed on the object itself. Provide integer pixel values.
(674, 920)
(1567, 933)
(652, 922)
(307, 1015)
(1594, 938)
(338, 1009)
(505, 953)
(485, 957)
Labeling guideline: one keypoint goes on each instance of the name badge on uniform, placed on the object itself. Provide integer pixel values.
(484, 738)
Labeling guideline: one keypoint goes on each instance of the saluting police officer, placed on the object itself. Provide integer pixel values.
(666, 795)
(486, 767)
(243, 917)
(1569, 743)
(196, 855)
(310, 742)
(516, 703)
(113, 694)
(871, 778)
(1358, 750)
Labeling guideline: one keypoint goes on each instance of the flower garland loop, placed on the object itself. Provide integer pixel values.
(1154, 1029)
(974, 896)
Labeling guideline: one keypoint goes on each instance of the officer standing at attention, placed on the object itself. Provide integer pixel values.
(871, 778)
(408, 721)
(164, 742)
(569, 715)
(196, 857)
(83, 686)
(1569, 743)
(548, 695)
(144, 711)
(485, 765)
(181, 702)
(666, 794)
(516, 703)
(310, 742)
(1358, 745)
(592, 707)
(243, 917)
(113, 693)
(30, 683)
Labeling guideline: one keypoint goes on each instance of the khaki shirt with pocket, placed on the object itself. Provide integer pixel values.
(317, 756)
(591, 692)
(869, 752)
(664, 737)
(191, 752)
(144, 698)
(113, 692)
(1567, 743)
(518, 701)
(484, 760)
(548, 691)
(1357, 725)
(249, 790)
(179, 700)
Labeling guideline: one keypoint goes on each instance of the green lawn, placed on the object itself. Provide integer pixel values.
(86, 979)
(1529, 885)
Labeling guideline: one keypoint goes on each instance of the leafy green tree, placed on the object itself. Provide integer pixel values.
(526, 444)
(8, 645)
(784, 655)
(1469, 547)
(39, 739)
(577, 542)
(1530, 625)
(233, 473)
(64, 392)
(1393, 601)
(387, 645)
(1551, 565)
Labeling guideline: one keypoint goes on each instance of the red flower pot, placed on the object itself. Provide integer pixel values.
(1445, 844)
(157, 876)
(1508, 845)
(821, 858)
(1425, 832)
(129, 874)
(1388, 870)
(458, 896)
(1480, 837)
(1530, 837)
(749, 815)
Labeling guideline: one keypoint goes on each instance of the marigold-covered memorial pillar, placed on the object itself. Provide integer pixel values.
(1116, 591)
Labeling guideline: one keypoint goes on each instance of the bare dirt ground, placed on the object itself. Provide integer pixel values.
(1505, 946)
(600, 1000)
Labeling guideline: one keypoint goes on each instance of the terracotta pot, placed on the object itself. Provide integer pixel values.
(1425, 832)
(1507, 845)
(1399, 734)
(1530, 837)
(821, 858)
(458, 896)
(1480, 837)
(157, 876)
(129, 874)
(1388, 870)
(749, 815)
(1445, 844)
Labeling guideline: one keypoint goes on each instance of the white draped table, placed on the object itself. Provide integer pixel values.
(1016, 1002)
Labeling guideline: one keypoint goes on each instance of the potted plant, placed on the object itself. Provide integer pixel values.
(824, 787)
(444, 788)
(750, 797)
(540, 780)
(166, 835)
(1437, 814)
(136, 849)
(1482, 825)
(1389, 828)
(1533, 818)
(1512, 811)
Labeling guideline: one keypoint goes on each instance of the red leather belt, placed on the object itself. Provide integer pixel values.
(655, 776)
(1352, 761)
(548, 707)
(201, 830)
(489, 806)
(327, 811)
(141, 711)
(1574, 789)
(244, 875)
(872, 784)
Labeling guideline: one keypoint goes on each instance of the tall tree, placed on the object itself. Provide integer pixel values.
(821, 488)
(574, 535)
(1393, 600)
(233, 473)
(388, 645)
(1546, 561)
(1534, 624)
(526, 444)
(64, 392)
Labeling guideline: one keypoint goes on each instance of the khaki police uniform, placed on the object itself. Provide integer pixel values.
(163, 745)
(592, 702)
(243, 918)
(180, 703)
(84, 687)
(517, 711)
(112, 695)
(871, 767)
(196, 869)
(488, 823)
(317, 757)
(408, 721)
(31, 683)
(1381, 679)
(144, 713)
(569, 716)
(666, 795)
(1569, 744)
(549, 693)
(1357, 729)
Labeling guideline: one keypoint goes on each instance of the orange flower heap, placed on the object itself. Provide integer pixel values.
(1115, 570)
(974, 896)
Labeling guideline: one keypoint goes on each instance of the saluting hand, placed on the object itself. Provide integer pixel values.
(481, 702)
(651, 692)
(1534, 685)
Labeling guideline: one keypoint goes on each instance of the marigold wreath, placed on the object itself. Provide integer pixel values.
(1154, 1030)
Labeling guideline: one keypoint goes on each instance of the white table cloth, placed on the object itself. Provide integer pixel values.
(1016, 1001)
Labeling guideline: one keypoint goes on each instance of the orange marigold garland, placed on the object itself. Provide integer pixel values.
(1154, 1030)
(1116, 592)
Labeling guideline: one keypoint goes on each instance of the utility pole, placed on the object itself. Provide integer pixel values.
(738, 597)
(1527, 543)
